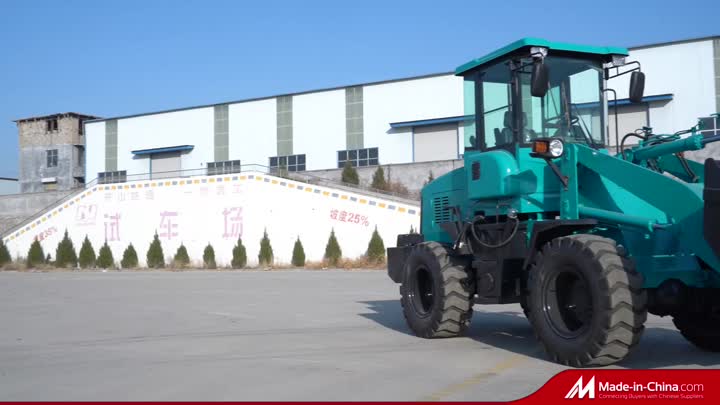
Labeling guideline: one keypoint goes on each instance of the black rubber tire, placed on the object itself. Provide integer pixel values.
(702, 330)
(615, 305)
(450, 308)
(524, 305)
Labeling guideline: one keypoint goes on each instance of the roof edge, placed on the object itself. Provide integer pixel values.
(58, 115)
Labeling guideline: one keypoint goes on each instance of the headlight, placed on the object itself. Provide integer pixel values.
(548, 148)
(556, 148)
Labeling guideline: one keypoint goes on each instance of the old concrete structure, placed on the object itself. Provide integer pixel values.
(52, 152)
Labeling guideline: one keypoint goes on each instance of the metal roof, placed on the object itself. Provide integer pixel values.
(528, 42)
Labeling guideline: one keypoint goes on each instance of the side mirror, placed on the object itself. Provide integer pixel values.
(637, 86)
(539, 80)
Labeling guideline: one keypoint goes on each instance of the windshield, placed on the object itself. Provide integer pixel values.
(573, 108)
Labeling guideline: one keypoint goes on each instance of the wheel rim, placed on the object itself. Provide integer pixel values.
(567, 303)
(423, 292)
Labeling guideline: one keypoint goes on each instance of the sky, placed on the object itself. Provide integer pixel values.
(111, 58)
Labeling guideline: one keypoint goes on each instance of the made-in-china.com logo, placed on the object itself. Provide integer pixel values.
(580, 391)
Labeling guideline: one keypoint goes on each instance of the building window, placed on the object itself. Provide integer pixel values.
(52, 158)
(119, 176)
(224, 167)
(52, 125)
(710, 126)
(359, 157)
(291, 163)
(80, 127)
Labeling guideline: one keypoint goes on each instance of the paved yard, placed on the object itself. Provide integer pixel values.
(285, 335)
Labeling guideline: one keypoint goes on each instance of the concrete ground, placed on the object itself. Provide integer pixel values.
(285, 335)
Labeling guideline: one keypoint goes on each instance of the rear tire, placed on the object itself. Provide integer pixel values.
(702, 330)
(436, 292)
(586, 302)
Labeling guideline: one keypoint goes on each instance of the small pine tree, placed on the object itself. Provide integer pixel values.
(105, 258)
(181, 259)
(155, 256)
(298, 255)
(239, 256)
(87, 255)
(333, 253)
(349, 174)
(265, 257)
(5, 257)
(130, 258)
(35, 256)
(48, 259)
(376, 248)
(65, 255)
(378, 180)
(209, 257)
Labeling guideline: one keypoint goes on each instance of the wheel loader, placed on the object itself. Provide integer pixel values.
(587, 229)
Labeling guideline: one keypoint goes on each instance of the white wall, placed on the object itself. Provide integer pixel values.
(319, 127)
(187, 127)
(94, 149)
(411, 100)
(194, 210)
(686, 71)
(253, 131)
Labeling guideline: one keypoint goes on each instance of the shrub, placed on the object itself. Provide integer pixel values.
(130, 258)
(87, 255)
(378, 180)
(239, 256)
(181, 258)
(5, 257)
(36, 256)
(65, 255)
(209, 257)
(376, 248)
(105, 258)
(48, 259)
(265, 257)
(349, 174)
(155, 256)
(298, 255)
(333, 253)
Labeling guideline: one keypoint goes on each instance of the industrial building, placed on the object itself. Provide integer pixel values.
(404, 121)
(52, 152)
(392, 122)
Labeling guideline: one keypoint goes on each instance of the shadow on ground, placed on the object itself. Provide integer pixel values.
(510, 330)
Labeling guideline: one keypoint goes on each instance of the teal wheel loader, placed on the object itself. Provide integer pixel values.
(587, 229)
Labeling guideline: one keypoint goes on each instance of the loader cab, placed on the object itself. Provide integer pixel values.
(536, 89)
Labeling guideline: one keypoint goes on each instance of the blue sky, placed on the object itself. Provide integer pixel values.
(112, 58)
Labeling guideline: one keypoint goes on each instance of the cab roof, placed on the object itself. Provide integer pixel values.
(530, 42)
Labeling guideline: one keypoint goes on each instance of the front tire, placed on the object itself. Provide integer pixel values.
(586, 302)
(436, 292)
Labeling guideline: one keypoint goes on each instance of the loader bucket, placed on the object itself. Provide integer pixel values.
(711, 196)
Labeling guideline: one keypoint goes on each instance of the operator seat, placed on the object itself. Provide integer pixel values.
(505, 136)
